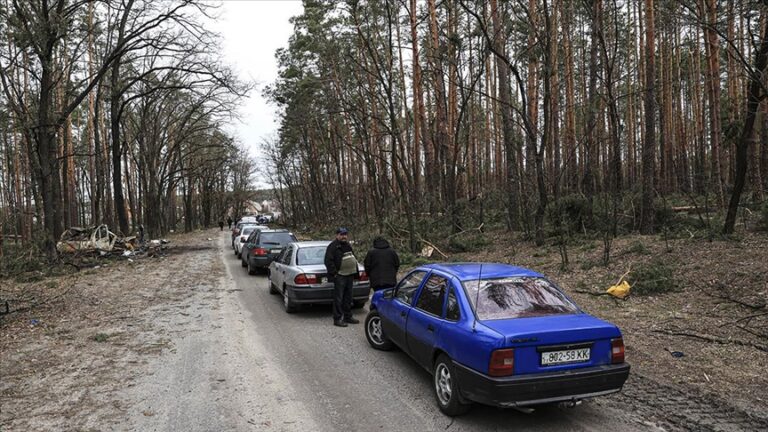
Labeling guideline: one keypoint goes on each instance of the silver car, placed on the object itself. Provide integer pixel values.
(299, 274)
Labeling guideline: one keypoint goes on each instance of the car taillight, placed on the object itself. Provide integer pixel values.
(617, 350)
(305, 279)
(502, 362)
(363, 276)
(260, 251)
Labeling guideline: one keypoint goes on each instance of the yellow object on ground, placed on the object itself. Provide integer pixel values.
(619, 290)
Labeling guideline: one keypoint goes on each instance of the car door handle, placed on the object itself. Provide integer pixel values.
(430, 328)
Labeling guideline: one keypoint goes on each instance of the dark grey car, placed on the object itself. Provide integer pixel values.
(262, 247)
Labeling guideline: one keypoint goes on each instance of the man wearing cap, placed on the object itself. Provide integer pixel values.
(341, 264)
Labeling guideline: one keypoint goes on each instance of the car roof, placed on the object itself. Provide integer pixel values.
(274, 230)
(475, 270)
(312, 243)
(253, 227)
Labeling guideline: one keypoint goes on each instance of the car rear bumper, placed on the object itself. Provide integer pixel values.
(262, 261)
(541, 388)
(324, 294)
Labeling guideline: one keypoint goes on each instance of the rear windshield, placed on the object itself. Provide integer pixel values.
(311, 255)
(278, 238)
(517, 297)
(247, 230)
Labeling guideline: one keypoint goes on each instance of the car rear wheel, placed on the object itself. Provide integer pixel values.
(251, 269)
(243, 262)
(290, 306)
(447, 389)
(375, 334)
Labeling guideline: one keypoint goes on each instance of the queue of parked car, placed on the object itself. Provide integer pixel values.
(296, 269)
(488, 333)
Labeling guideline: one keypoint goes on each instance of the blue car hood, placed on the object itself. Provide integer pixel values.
(554, 329)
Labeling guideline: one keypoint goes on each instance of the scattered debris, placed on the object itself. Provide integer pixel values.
(76, 239)
(620, 290)
(102, 242)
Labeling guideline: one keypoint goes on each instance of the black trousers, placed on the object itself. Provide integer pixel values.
(342, 297)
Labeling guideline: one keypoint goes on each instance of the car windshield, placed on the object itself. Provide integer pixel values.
(276, 238)
(310, 255)
(517, 297)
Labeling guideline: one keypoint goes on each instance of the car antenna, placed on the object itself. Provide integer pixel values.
(477, 297)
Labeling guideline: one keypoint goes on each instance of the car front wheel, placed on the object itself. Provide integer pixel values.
(374, 332)
(447, 389)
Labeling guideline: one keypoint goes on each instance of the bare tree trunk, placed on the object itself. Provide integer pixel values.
(713, 86)
(419, 121)
(754, 97)
(511, 148)
(649, 150)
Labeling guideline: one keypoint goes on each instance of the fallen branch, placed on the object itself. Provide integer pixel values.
(421, 239)
(433, 246)
(712, 339)
(478, 229)
(624, 275)
(752, 332)
(592, 293)
(35, 304)
(749, 317)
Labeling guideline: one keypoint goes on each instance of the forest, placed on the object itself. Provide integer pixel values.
(545, 117)
(114, 111)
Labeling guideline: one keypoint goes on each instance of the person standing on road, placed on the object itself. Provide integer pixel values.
(341, 264)
(229, 222)
(381, 264)
(221, 225)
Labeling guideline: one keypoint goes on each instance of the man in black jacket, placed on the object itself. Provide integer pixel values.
(341, 264)
(381, 264)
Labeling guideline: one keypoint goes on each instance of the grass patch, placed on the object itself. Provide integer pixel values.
(467, 242)
(638, 248)
(101, 337)
(655, 277)
(589, 264)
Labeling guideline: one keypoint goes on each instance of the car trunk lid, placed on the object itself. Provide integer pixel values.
(320, 272)
(556, 342)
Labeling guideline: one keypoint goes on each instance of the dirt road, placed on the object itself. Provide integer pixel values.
(192, 343)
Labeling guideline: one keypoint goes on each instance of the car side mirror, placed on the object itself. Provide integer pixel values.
(388, 294)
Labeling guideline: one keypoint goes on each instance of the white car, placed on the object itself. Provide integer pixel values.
(244, 233)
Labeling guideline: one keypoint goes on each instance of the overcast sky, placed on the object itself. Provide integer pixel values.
(252, 31)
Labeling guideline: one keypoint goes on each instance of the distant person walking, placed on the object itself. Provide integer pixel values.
(341, 264)
(382, 263)
(221, 225)
(229, 222)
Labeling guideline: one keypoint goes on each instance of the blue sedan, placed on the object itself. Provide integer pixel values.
(497, 334)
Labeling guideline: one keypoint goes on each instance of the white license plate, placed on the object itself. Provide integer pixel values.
(566, 356)
(275, 251)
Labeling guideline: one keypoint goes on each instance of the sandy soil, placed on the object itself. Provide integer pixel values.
(72, 363)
